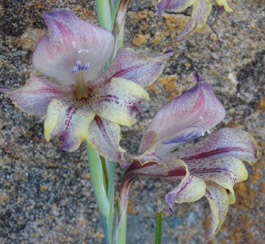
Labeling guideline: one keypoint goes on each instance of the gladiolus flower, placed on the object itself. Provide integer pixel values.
(209, 168)
(83, 101)
(200, 13)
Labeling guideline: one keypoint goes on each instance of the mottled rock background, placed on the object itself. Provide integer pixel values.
(45, 193)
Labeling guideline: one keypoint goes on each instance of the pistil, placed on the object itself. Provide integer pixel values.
(80, 85)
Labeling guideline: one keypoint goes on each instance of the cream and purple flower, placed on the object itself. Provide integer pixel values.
(209, 168)
(83, 101)
(200, 12)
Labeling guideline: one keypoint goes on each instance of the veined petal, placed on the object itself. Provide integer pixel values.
(72, 40)
(184, 118)
(35, 96)
(119, 100)
(200, 13)
(225, 171)
(135, 67)
(67, 121)
(224, 3)
(223, 142)
(218, 200)
(104, 136)
(190, 189)
(174, 6)
(172, 171)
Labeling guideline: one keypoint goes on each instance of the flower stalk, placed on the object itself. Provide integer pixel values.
(158, 227)
(103, 9)
(102, 176)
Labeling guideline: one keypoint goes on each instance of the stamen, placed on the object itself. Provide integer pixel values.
(82, 51)
(78, 66)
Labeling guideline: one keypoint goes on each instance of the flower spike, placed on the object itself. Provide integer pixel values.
(210, 167)
(200, 13)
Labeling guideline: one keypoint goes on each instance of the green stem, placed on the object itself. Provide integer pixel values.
(158, 227)
(102, 176)
(108, 222)
(121, 229)
(98, 181)
(104, 13)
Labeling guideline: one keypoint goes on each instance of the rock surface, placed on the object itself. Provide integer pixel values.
(46, 194)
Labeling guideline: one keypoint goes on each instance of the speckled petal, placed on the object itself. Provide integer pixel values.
(223, 142)
(172, 171)
(67, 121)
(218, 200)
(190, 189)
(200, 13)
(104, 136)
(224, 3)
(174, 6)
(35, 96)
(135, 67)
(71, 40)
(119, 100)
(183, 119)
(225, 171)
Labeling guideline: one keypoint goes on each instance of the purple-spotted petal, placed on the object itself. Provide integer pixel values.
(190, 189)
(225, 171)
(119, 101)
(135, 67)
(172, 171)
(104, 136)
(174, 6)
(72, 46)
(218, 200)
(67, 121)
(200, 13)
(223, 142)
(224, 4)
(35, 96)
(184, 118)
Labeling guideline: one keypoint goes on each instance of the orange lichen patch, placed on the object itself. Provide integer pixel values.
(153, 88)
(166, 214)
(30, 37)
(140, 39)
(256, 177)
(136, 17)
(131, 210)
(75, 231)
(82, 221)
(232, 124)
(204, 29)
(99, 235)
(245, 196)
(169, 83)
(206, 222)
(43, 188)
(3, 198)
(176, 22)
(213, 37)
(187, 238)
(262, 187)
(86, 176)
(180, 211)
(159, 37)
(261, 104)
(82, 12)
